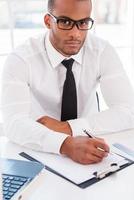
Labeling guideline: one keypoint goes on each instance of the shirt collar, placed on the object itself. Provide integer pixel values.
(56, 58)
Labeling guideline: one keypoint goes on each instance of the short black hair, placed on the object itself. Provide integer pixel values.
(51, 5)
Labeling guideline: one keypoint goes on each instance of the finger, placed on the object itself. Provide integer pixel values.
(39, 120)
(93, 159)
(102, 146)
(100, 139)
(99, 153)
(105, 147)
(89, 159)
(44, 119)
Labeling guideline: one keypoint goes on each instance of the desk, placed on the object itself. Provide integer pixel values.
(119, 186)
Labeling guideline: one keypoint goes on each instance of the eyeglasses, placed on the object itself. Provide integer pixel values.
(65, 23)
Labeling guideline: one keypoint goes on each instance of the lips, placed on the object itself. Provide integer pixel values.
(72, 42)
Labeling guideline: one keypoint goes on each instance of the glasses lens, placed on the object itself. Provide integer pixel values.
(65, 23)
(85, 24)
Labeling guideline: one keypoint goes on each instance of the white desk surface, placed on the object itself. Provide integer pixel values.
(119, 186)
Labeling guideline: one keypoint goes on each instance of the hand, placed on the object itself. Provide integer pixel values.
(55, 125)
(84, 150)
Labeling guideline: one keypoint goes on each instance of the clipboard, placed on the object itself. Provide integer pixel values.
(97, 176)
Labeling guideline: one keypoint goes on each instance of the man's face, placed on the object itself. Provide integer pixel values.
(68, 42)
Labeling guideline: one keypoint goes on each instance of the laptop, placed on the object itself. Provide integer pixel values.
(19, 177)
(0, 184)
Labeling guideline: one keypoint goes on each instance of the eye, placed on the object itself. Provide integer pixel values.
(65, 22)
(84, 22)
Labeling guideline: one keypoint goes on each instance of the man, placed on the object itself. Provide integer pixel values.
(44, 112)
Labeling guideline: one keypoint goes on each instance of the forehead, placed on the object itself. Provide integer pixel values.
(75, 9)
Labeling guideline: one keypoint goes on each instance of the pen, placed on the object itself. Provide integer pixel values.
(90, 135)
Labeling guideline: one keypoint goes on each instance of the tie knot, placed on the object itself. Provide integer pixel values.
(68, 63)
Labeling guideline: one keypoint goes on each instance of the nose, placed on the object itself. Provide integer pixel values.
(75, 32)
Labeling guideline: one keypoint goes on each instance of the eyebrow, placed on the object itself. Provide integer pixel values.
(65, 17)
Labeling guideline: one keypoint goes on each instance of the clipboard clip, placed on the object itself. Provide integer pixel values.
(113, 168)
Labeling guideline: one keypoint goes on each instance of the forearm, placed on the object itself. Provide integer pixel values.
(115, 119)
(55, 125)
(31, 134)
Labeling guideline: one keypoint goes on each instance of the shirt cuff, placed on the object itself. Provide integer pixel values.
(52, 143)
(78, 125)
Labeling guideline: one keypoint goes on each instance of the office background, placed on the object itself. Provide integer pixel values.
(114, 21)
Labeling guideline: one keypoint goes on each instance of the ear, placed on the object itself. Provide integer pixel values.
(47, 21)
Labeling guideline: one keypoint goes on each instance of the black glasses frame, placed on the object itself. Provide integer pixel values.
(74, 22)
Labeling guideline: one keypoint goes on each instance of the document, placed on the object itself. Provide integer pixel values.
(76, 172)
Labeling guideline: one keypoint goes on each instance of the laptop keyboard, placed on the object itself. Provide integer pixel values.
(11, 184)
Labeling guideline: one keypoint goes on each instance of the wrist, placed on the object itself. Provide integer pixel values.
(66, 146)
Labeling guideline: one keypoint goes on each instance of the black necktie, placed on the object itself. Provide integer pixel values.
(69, 96)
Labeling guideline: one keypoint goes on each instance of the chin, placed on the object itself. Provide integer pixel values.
(72, 52)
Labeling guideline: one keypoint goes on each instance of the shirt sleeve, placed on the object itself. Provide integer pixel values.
(118, 95)
(18, 124)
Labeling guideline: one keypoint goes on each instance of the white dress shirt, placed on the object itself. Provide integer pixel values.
(33, 81)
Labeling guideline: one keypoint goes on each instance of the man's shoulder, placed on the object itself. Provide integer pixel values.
(93, 42)
(31, 47)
